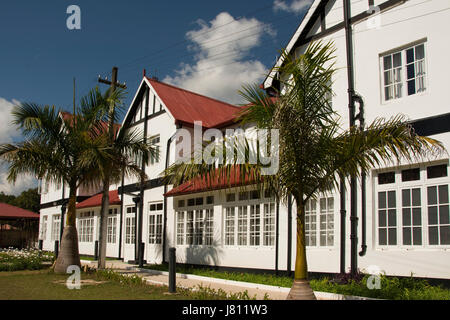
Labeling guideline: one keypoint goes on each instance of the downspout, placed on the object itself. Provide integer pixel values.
(343, 212)
(165, 198)
(351, 108)
(277, 235)
(289, 239)
(360, 117)
(63, 212)
(121, 215)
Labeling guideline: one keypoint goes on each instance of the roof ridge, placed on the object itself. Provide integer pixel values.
(192, 92)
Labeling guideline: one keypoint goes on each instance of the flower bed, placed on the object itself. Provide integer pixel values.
(13, 259)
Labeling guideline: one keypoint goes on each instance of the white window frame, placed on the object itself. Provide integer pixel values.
(56, 227)
(404, 72)
(111, 236)
(155, 213)
(156, 158)
(86, 226)
(130, 225)
(43, 233)
(317, 222)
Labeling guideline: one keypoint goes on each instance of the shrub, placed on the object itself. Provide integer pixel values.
(13, 260)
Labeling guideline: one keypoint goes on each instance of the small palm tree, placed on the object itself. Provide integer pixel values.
(313, 149)
(57, 149)
(122, 149)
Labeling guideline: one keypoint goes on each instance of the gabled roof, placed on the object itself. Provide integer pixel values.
(187, 106)
(96, 201)
(10, 212)
(202, 184)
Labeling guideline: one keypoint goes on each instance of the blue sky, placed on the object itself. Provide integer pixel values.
(211, 47)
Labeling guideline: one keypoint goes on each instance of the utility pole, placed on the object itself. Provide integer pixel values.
(106, 179)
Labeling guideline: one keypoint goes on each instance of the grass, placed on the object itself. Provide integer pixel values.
(91, 258)
(391, 288)
(46, 285)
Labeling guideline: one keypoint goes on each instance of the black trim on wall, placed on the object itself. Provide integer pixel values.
(289, 234)
(432, 125)
(135, 187)
(61, 201)
(146, 118)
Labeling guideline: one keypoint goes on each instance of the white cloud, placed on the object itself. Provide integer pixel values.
(295, 6)
(221, 68)
(9, 134)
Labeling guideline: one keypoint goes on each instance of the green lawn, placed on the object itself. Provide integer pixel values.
(45, 285)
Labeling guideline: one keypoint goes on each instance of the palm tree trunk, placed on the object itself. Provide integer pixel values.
(301, 290)
(103, 224)
(68, 253)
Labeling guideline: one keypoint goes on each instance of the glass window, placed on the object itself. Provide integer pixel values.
(387, 218)
(438, 215)
(410, 174)
(180, 228)
(437, 171)
(411, 217)
(386, 177)
(111, 229)
(242, 225)
(255, 225)
(269, 224)
(229, 226)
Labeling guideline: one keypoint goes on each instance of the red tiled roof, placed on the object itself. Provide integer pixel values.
(201, 184)
(67, 116)
(96, 201)
(12, 212)
(187, 106)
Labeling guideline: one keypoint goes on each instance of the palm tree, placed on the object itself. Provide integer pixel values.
(313, 149)
(57, 148)
(123, 148)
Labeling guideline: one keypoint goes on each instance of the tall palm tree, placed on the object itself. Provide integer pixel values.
(313, 149)
(124, 149)
(57, 148)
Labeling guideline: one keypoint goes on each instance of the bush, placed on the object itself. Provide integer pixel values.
(13, 260)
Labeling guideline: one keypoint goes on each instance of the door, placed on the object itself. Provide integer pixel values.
(130, 233)
(153, 250)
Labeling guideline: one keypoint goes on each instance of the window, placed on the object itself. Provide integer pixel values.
(229, 226)
(410, 174)
(242, 225)
(191, 202)
(198, 201)
(112, 229)
(180, 203)
(387, 218)
(56, 226)
(269, 224)
(322, 210)
(404, 72)
(199, 224)
(155, 223)
(386, 177)
(437, 171)
(112, 211)
(180, 228)
(190, 228)
(411, 217)
(210, 200)
(243, 196)
(86, 227)
(231, 197)
(154, 157)
(438, 215)
(209, 227)
(326, 222)
(130, 230)
(255, 225)
(43, 234)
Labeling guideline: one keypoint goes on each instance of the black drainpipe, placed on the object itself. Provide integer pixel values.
(343, 235)
(63, 211)
(351, 107)
(277, 234)
(165, 199)
(121, 215)
(289, 234)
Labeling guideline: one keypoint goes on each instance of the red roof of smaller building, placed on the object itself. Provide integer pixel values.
(12, 212)
(201, 184)
(187, 106)
(96, 201)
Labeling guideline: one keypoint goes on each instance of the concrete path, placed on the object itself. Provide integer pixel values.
(192, 281)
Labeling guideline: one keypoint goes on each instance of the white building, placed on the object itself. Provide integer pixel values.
(399, 64)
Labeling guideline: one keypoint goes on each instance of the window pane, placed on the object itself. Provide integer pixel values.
(391, 199)
(411, 174)
(381, 200)
(443, 194)
(407, 236)
(411, 87)
(417, 236)
(406, 216)
(387, 177)
(392, 236)
(387, 62)
(410, 55)
(433, 235)
(437, 171)
(410, 71)
(382, 240)
(420, 52)
(392, 222)
(417, 216)
(406, 198)
(382, 218)
(443, 215)
(432, 195)
(387, 78)
(432, 215)
(416, 197)
(445, 234)
(397, 57)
